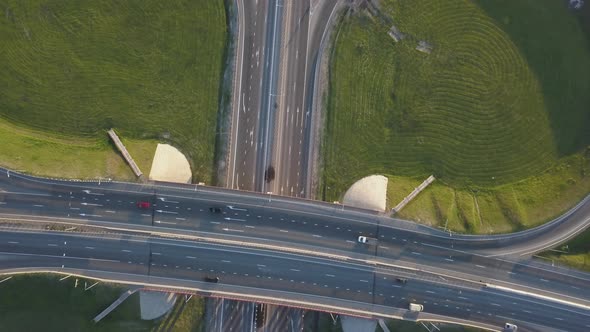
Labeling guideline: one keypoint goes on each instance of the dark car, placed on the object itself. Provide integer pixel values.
(215, 209)
(144, 205)
(211, 279)
(401, 280)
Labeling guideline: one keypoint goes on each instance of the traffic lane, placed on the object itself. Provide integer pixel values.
(256, 269)
(121, 208)
(109, 247)
(238, 316)
(249, 96)
(475, 304)
(517, 275)
(300, 69)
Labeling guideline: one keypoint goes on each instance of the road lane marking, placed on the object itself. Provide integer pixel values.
(283, 231)
(191, 257)
(89, 248)
(12, 242)
(125, 250)
(38, 205)
(110, 211)
(383, 247)
(294, 270)
(364, 280)
(249, 226)
(52, 245)
(315, 235)
(330, 275)
(430, 292)
(462, 298)
(73, 208)
(528, 312)
(181, 219)
(481, 266)
(164, 222)
(260, 265)
(225, 261)
(146, 215)
(156, 253)
(215, 222)
(495, 304)
(544, 280)
(449, 260)
(416, 253)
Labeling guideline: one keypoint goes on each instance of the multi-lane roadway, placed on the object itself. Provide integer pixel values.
(276, 239)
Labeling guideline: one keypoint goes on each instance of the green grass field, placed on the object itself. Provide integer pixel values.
(575, 253)
(148, 68)
(43, 303)
(499, 103)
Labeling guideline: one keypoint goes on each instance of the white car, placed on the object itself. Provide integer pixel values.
(510, 327)
(363, 239)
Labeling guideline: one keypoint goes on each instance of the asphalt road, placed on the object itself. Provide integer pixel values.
(251, 85)
(252, 269)
(313, 227)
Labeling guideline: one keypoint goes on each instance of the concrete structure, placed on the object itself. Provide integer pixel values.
(125, 153)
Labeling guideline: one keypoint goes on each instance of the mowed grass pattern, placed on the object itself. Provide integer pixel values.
(148, 68)
(473, 112)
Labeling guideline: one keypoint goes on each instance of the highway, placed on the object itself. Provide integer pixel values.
(319, 234)
(181, 261)
(252, 67)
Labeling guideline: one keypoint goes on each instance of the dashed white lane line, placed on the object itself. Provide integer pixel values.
(463, 298)
(13, 242)
(416, 253)
(430, 292)
(383, 247)
(283, 231)
(260, 265)
(544, 280)
(350, 241)
(449, 260)
(51, 245)
(294, 270)
(156, 253)
(249, 226)
(125, 250)
(481, 266)
(364, 280)
(146, 215)
(74, 208)
(110, 211)
(215, 222)
(191, 257)
(225, 261)
(528, 312)
(315, 235)
(91, 248)
(182, 219)
(558, 318)
(38, 205)
(495, 304)
(330, 275)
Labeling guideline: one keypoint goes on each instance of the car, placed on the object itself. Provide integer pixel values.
(510, 327)
(363, 239)
(212, 279)
(401, 280)
(215, 209)
(416, 307)
(144, 205)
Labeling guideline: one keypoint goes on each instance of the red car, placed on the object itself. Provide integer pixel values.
(144, 205)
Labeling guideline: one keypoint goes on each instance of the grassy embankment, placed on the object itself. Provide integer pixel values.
(150, 69)
(43, 303)
(498, 112)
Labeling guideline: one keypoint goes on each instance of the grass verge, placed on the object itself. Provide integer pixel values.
(43, 303)
(148, 68)
(575, 253)
(495, 112)
(45, 154)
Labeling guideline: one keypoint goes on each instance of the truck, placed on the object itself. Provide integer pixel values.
(416, 307)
